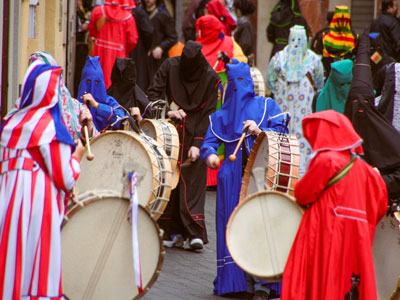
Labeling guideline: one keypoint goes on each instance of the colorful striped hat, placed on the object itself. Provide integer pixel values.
(340, 39)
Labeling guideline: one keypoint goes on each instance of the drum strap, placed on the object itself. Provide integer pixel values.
(343, 172)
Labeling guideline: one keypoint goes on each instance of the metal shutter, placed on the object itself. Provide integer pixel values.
(362, 14)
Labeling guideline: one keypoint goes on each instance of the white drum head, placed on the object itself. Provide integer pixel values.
(258, 173)
(261, 231)
(116, 154)
(386, 250)
(97, 250)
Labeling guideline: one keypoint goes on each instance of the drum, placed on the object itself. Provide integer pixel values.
(116, 154)
(166, 135)
(97, 249)
(258, 79)
(273, 163)
(386, 250)
(257, 239)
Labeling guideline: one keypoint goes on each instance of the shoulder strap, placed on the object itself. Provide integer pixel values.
(341, 173)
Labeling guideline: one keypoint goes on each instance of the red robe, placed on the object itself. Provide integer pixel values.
(116, 38)
(336, 233)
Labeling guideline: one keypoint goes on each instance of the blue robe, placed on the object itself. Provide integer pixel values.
(109, 113)
(241, 104)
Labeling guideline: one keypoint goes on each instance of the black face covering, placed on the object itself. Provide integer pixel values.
(189, 83)
(123, 87)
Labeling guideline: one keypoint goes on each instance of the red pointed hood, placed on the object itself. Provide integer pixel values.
(217, 9)
(330, 130)
(118, 10)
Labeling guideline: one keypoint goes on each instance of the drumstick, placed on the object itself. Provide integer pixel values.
(89, 155)
(232, 157)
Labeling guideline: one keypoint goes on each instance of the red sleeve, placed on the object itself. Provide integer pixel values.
(322, 168)
(132, 36)
(96, 13)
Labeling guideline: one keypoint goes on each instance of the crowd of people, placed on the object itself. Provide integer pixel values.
(336, 92)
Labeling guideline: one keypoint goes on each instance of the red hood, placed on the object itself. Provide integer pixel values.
(118, 10)
(211, 36)
(330, 130)
(217, 9)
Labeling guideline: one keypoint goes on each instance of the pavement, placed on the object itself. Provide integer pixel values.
(187, 275)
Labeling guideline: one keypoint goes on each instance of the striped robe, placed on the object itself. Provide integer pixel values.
(31, 213)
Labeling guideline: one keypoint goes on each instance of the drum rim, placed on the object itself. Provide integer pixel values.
(146, 150)
(108, 195)
(276, 277)
(175, 138)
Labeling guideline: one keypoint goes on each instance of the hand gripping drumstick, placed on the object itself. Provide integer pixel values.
(232, 157)
(89, 155)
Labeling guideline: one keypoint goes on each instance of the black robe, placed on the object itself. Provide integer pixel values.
(139, 54)
(244, 36)
(164, 36)
(381, 140)
(194, 91)
(285, 14)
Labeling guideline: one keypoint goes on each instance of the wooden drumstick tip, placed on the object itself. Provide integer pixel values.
(89, 156)
(232, 157)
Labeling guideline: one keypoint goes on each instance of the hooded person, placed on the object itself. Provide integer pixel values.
(336, 89)
(73, 112)
(40, 163)
(381, 139)
(284, 16)
(191, 84)
(216, 8)
(344, 199)
(114, 30)
(124, 88)
(340, 41)
(106, 111)
(211, 35)
(139, 53)
(241, 110)
(294, 75)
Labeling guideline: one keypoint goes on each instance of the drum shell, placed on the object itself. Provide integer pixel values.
(258, 80)
(259, 218)
(97, 249)
(273, 164)
(166, 135)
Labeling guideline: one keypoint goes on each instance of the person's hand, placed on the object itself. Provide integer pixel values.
(252, 127)
(84, 27)
(85, 114)
(88, 99)
(194, 153)
(79, 149)
(176, 114)
(157, 52)
(135, 113)
(213, 161)
(224, 57)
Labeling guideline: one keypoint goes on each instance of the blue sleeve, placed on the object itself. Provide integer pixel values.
(210, 145)
(113, 114)
(275, 119)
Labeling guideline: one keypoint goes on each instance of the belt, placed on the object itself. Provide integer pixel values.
(18, 163)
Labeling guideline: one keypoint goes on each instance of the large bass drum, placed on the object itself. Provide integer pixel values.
(257, 238)
(273, 164)
(97, 249)
(386, 250)
(116, 154)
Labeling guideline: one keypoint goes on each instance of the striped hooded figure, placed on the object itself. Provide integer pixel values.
(36, 166)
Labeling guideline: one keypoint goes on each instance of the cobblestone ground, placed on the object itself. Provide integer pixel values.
(187, 275)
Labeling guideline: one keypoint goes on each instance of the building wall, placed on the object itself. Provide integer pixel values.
(50, 31)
